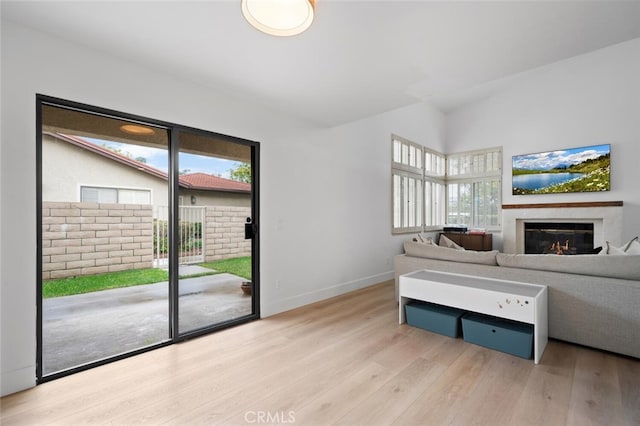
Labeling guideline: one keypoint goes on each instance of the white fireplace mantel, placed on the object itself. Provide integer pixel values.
(605, 216)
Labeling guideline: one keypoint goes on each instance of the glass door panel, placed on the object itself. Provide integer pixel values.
(145, 235)
(103, 240)
(214, 254)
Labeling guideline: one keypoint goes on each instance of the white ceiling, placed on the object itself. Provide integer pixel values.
(359, 58)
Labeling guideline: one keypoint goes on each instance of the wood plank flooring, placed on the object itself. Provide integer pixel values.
(342, 361)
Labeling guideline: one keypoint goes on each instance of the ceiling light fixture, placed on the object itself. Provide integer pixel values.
(134, 129)
(279, 17)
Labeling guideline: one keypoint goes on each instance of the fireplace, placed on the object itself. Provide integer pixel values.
(558, 238)
(606, 217)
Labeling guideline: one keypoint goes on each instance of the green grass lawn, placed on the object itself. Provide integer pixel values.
(240, 266)
(596, 180)
(89, 283)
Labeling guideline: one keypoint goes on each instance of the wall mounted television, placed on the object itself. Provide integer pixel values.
(585, 169)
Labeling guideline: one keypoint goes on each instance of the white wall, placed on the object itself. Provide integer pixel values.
(586, 100)
(339, 238)
(325, 193)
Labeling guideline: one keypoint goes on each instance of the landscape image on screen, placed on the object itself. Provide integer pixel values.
(585, 169)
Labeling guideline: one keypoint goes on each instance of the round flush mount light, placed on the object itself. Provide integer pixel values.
(135, 129)
(279, 17)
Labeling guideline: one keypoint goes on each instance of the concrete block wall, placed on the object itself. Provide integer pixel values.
(224, 235)
(91, 238)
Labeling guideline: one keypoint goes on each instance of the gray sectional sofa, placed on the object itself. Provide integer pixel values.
(594, 300)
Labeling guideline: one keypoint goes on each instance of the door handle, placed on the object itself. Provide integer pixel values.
(250, 229)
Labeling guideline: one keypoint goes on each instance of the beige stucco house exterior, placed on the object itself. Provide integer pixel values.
(136, 182)
(105, 212)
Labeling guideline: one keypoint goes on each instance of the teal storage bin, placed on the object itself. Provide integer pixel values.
(503, 335)
(437, 318)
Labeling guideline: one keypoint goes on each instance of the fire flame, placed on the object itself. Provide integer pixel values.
(559, 248)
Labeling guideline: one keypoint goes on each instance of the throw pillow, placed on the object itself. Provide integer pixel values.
(630, 247)
(424, 240)
(446, 242)
(633, 247)
(611, 249)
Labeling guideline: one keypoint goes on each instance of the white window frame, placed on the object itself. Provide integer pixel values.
(434, 189)
(407, 177)
(474, 168)
(438, 175)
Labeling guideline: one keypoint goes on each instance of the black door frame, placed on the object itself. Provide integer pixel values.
(173, 149)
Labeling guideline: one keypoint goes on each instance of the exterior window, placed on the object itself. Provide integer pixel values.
(434, 203)
(407, 172)
(434, 186)
(431, 189)
(407, 155)
(459, 203)
(474, 182)
(486, 203)
(407, 206)
(92, 194)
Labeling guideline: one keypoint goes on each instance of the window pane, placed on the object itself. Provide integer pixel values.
(434, 203)
(478, 163)
(479, 203)
(496, 202)
(107, 195)
(95, 245)
(411, 203)
(452, 207)
(467, 165)
(412, 156)
(134, 196)
(493, 161)
(210, 228)
(397, 149)
(419, 202)
(465, 203)
(459, 203)
(453, 166)
(99, 195)
(89, 195)
(405, 198)
(439, 204)
(434, 164)
(397, 202)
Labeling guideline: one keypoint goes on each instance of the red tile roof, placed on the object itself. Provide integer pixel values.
(198, 181)
(205, 181)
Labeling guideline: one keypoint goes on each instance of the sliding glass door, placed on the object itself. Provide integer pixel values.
(214, 254)
(142, 235)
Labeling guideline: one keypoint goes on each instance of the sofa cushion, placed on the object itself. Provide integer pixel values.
(443, 253)
(616, 266)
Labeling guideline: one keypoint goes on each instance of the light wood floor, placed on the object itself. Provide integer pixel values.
(340, 361)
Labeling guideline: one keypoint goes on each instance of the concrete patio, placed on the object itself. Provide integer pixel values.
(87, 327)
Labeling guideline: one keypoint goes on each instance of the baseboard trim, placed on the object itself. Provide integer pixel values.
(18, 380)
(293, 302)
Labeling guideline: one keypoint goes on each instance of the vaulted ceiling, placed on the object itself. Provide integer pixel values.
(359, 58)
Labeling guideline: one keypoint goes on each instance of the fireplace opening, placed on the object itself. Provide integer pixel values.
(558, 238)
